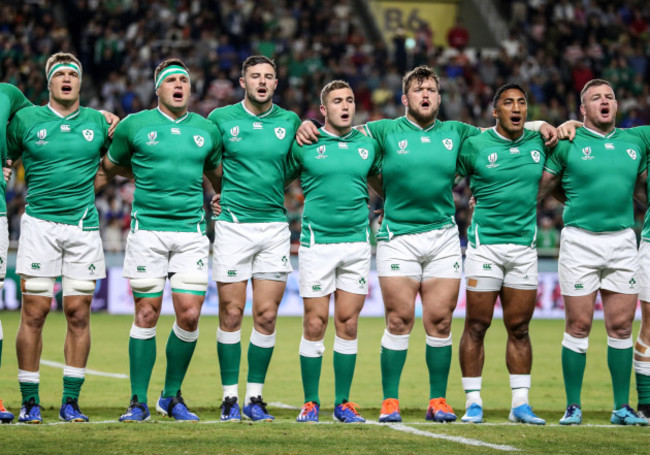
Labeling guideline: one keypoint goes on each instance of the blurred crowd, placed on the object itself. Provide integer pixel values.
(553, 47)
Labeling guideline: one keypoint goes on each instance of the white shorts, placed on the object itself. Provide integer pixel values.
(431, 254)
(49, 249)
(243, 249)
(488, 267)
(597, 260)
(330, 266)
(644, 271)
(4, 246)
(155, 254)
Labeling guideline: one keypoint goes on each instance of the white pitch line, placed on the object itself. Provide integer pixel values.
(277, 404)
(472, 442)
(50, 363)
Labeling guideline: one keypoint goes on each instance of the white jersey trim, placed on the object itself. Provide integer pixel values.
(258, 116)
(178, 120)
(58, 114)
(597, 133)
(427, 129)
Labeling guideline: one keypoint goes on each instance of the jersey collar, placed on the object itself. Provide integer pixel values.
(599, 134)
(171, 119)
(502, 137)
(336, 136)
(265, 114)
(69, 117)
(427, 129)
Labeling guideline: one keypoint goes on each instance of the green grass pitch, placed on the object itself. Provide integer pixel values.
(105, 398)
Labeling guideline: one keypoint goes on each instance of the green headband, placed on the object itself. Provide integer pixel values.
(58, 66)
(173, 69)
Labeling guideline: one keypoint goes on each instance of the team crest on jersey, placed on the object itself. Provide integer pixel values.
(587, 153)
(632, 153)
(536, 155)
(88, 135)
(280, 133)
(152, 138)
(492, 158)
(42, 134)
(234, 132)
(402, 147)
(321, 152)
(364, 153)
(199, 140)
(448, 144)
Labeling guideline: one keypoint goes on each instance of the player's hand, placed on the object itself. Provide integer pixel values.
(380, 212)
(112, 120)
(567, 130)
(215, 204)
(307, 133)
(6, 170)
(471, 205)
(550, 135)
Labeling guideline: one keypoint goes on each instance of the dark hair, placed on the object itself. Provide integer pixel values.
(330, 87)
(419, 74)
(256, 60)
(505, 88)
(169, 62)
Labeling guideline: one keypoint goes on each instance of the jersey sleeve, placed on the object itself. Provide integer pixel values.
(213, 160)
(214, 118)
(464, 164)
(294, 161)
(18, 100)
(375, 169)
(556, 160)
(120, 150)
(466, 131)
(376, 130)
(15, 138)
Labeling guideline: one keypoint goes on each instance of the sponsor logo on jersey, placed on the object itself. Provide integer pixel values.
(258, 126)
(364, 153)
(321, 152)
(316, 287)
(578, 286)
(402, 147)
(487, 266)
(492, 158)
(141, 268)
(199, 140)
(65, 128)
(36, 266)
(448, 144)
(394, 266)
(632, 153)
(280, 133)
(514, 150)
(232, 272)
(234, 132)
(536, 155)
(425, 140)
(362, 283)
(609, 146)
(176, 131)
(88, 135)
(152, 138)
(343, 145)
(587, 153)
(91, 269)
(41, 135)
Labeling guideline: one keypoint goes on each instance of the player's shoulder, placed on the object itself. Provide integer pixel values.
(30, 114)
(199, 121)
(226, 112)
(10, 90)
(281, 112)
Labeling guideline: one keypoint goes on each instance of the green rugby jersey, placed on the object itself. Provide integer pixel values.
(504, 177)
(61, 156)
(255, 149)
(418, 170)
(11, 101)
(334, 177)
(168, 157)
(643, 133)
(598, 177)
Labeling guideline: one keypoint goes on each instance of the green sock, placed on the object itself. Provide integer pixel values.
(573, 368)
(343, 373)
(438, 363)
(619, 362)
(71, 388)
(142, 357)
(392, 363)
(229, 358)
(310, 370)
(179, 354)
(29, 390)
(258, 363)
(643, 388)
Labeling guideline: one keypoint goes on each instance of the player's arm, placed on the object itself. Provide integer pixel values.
(548, 131)
(640, 193)
(376, 184)
(107, 170)
(112, 121)
(215, 176)
(567, 130)
(550, 184)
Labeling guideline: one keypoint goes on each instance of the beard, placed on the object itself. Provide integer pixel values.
(252, 97)
(423, 119)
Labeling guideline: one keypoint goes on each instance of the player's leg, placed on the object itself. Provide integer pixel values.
(270, 269)
(439, 291)
(642, 346)
(350, 295)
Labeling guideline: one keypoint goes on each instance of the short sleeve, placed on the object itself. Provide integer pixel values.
(213, 160)
(120, 150)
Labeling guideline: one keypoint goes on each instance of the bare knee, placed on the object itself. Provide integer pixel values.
(188, 319)
(314, 327)
(477, 328)
(146, 317)
(518, 331)
(347, 328)
(266, 320)
(399, 324)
